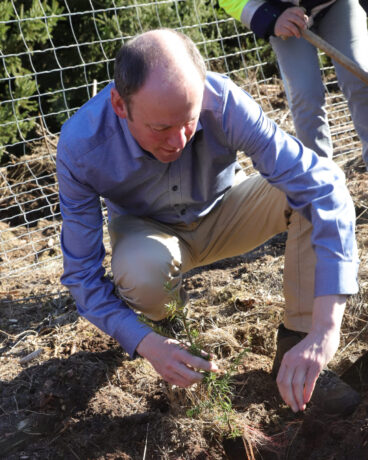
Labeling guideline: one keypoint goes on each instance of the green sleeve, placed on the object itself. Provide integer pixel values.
(233, 7)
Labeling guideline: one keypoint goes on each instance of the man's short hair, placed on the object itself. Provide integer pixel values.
(139, 56)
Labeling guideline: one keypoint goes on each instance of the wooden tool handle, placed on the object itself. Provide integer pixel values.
(335, 54)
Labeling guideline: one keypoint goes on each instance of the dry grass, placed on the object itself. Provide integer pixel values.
(79, 396)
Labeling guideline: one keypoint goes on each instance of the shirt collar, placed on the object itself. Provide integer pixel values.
(135, 149)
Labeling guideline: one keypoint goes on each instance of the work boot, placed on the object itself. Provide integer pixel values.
(286, 339)
(331, 394)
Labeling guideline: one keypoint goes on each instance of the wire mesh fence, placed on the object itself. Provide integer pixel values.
(56, 55)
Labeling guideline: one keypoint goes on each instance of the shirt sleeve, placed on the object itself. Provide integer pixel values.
(83, 253)
(259, 16)
(314, 186)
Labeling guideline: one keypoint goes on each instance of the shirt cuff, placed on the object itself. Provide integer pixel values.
(336, 278)
(131, 333)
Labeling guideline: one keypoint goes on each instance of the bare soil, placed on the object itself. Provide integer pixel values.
(81, 397)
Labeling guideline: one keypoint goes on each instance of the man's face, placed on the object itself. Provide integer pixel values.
(164, 116)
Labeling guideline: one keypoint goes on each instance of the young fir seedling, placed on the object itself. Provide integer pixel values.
(215, 395)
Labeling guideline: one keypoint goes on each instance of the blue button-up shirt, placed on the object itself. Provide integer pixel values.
(98, 157)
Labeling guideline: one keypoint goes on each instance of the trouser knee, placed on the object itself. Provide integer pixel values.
(147, 271)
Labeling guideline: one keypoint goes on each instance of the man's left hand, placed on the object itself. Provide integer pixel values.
(302, 364)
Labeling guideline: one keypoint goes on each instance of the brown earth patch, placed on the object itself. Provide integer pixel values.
(81, 397)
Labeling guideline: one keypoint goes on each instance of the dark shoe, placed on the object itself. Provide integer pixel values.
(286, 339)
(331, 394)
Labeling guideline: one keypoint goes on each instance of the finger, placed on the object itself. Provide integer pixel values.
(282, 32)
(197, 362)
(284, 383)
(189, 375)
(180, 380)
(178, 373)
(182, 370)
(286, 30)
(292, 30)
(298, 16)
(299, 21)
(310, 383)
(208, 356)
(298, 387)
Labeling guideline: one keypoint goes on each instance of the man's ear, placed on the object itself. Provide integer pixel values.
(118, 104)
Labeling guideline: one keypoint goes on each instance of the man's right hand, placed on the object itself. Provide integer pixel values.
(290, 22)
(175, 364)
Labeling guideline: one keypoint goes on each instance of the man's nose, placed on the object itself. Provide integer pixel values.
(177, 138)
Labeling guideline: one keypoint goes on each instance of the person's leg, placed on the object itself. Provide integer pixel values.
(148, 256)
(345, 27)
(146, 263)
(250, 214)
(299, 67)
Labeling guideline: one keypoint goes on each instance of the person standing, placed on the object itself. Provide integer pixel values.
(343, 24)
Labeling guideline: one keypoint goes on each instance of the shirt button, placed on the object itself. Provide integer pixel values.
(174, 188)
(183, 211)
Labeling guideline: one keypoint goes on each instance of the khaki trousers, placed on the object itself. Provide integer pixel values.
(147, 256)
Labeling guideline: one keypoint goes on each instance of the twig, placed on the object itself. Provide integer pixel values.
(72, 451)
(352, 340)
(145, 444)
(363, 212)
(25, 335)
(28, 331)
(16, 404)
(293, 439)
(8, 335)
(31, 356)
(248, 447)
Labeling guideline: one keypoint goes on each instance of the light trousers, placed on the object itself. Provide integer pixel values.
(147, 255)
(345, 27)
